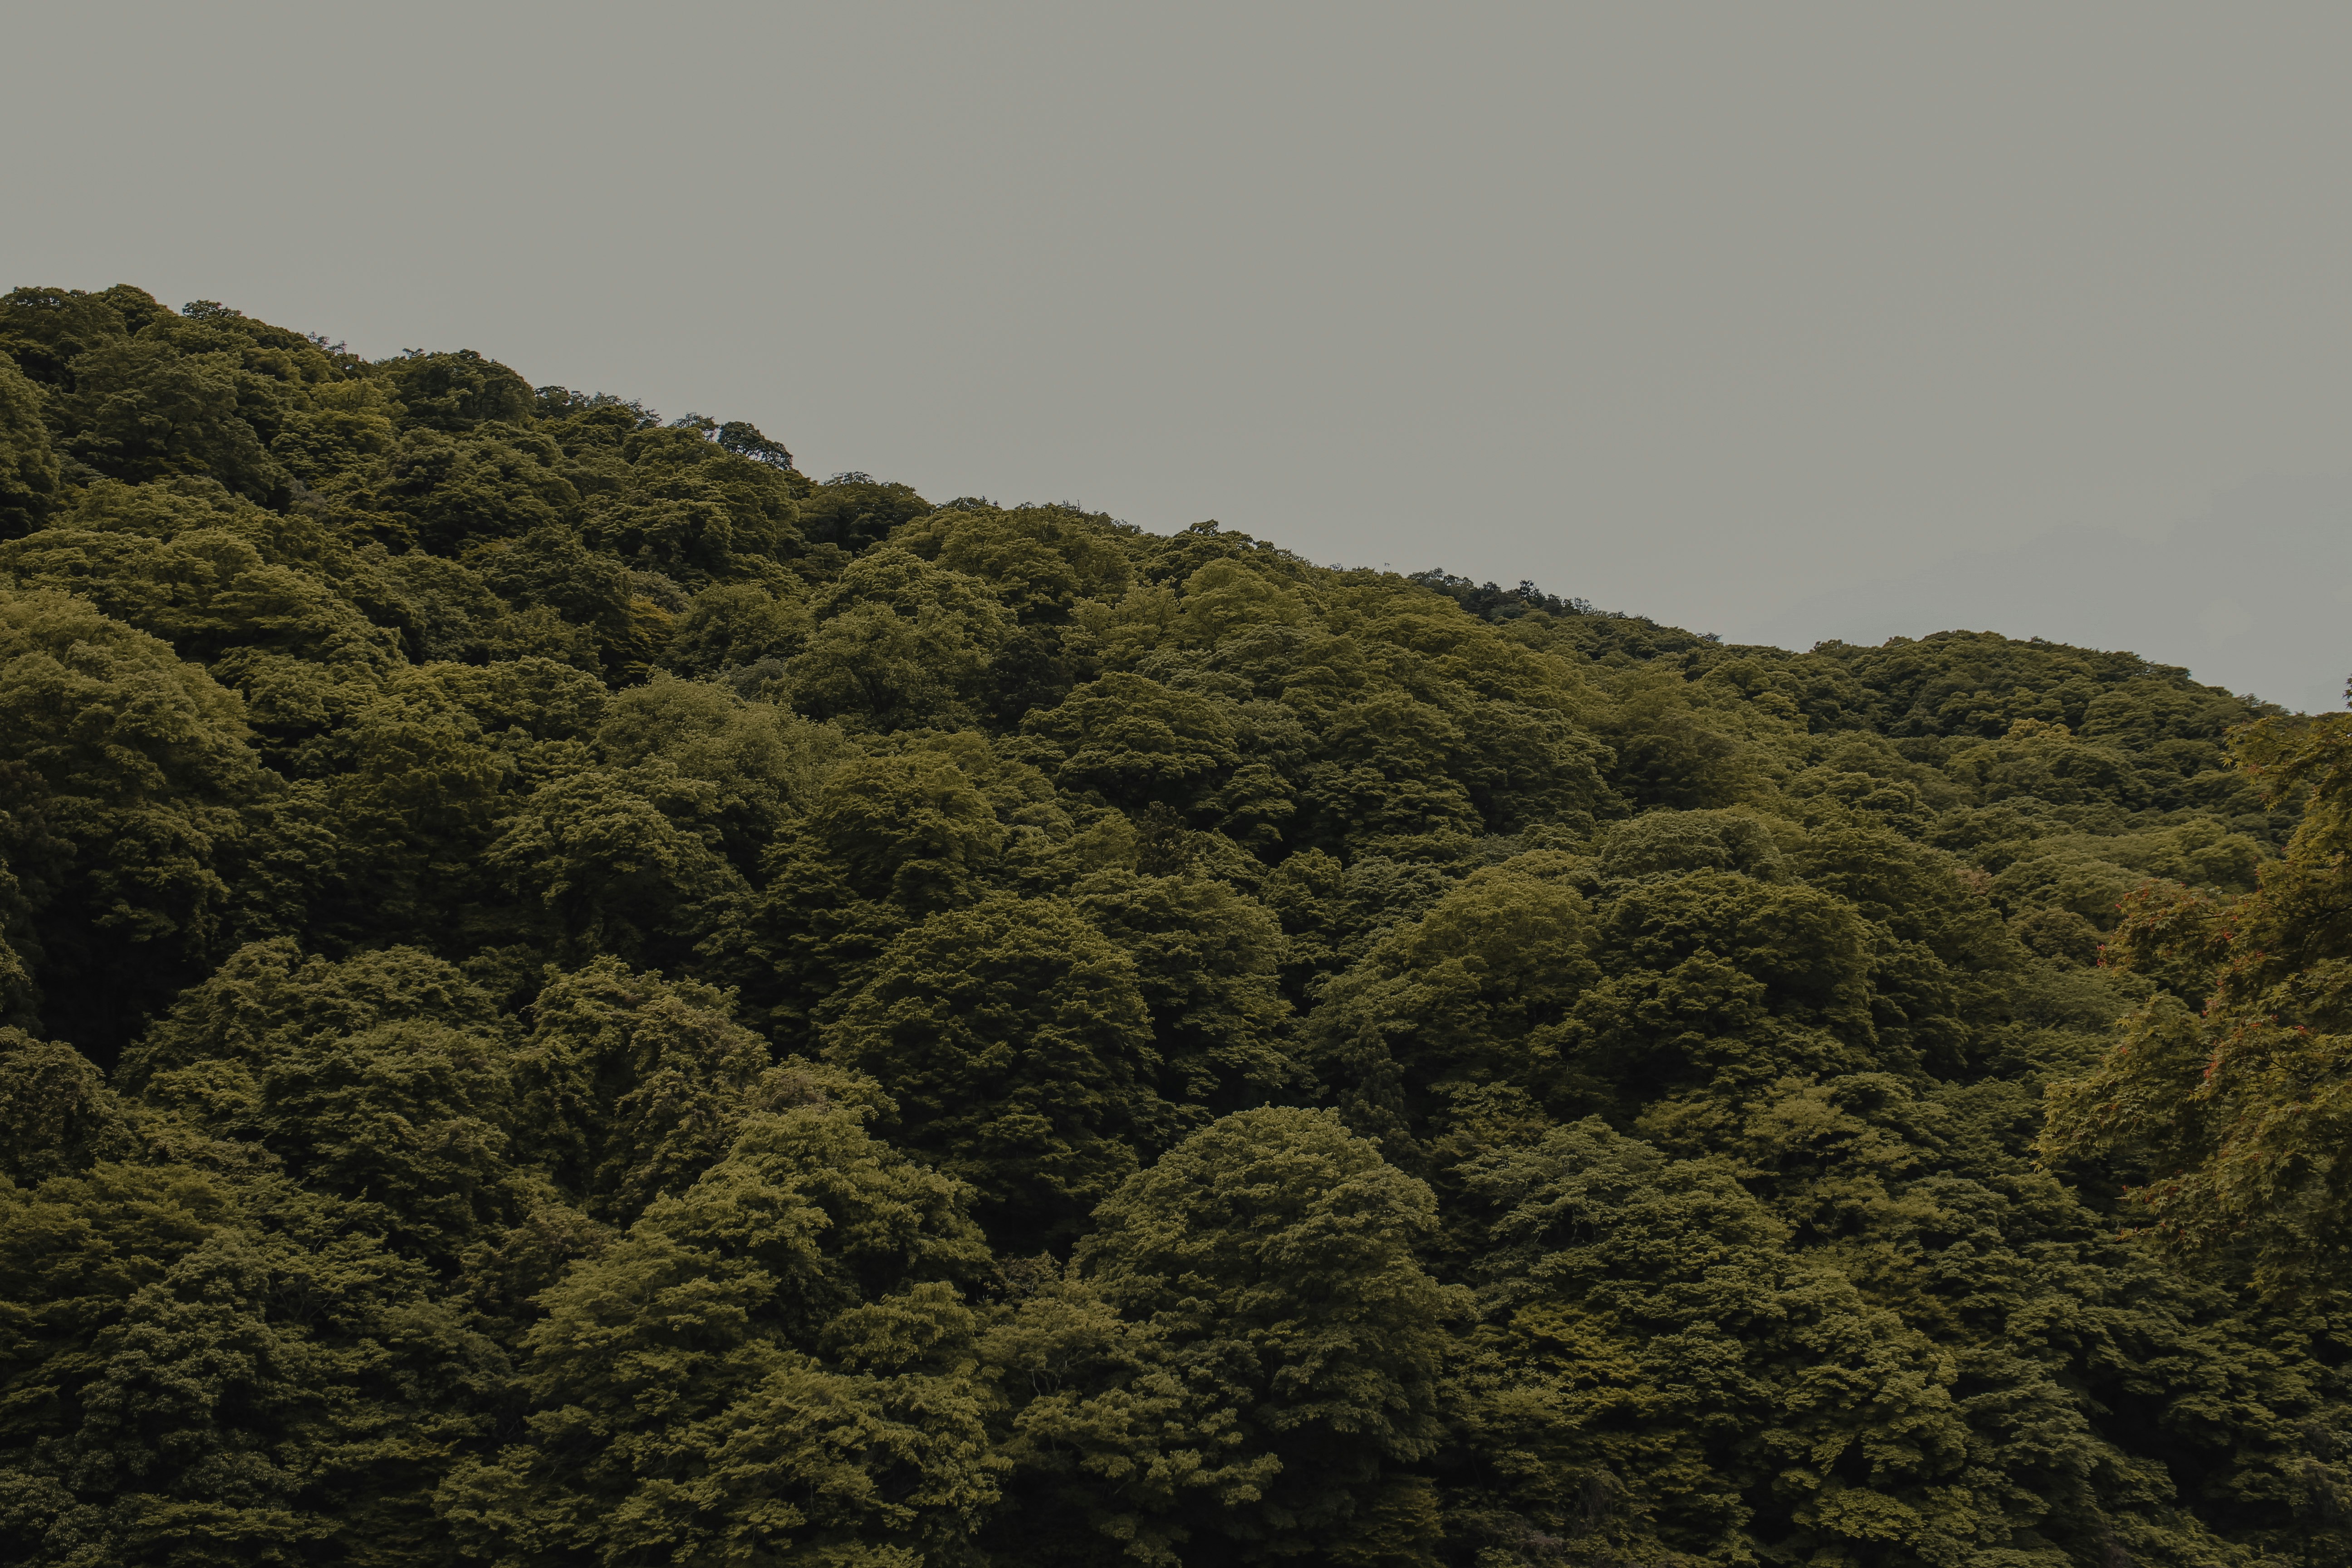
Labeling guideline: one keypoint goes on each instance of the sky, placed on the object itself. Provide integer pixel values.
(1787, 322)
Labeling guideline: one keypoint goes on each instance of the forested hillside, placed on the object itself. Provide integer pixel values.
(576, 995)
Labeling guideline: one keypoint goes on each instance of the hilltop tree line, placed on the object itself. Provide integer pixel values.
(574, 995)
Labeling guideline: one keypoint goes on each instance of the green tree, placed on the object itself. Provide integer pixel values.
(1481, 990)
(736, 625)
(773, 1363)
(1109, 1447)
(57, 1114)
(1040, 560)
(1015, 1042)
(898, 642)
(1718, 980)
(457, 391)
(1273, 1253)
(615, 862)
(631, 1086)
(581, 919)
(29, 468)
(1205, 958)
(1137, 742)
(141, 409)
(127, 768)
(382, 1081)
(443, 492)
(852, 511)
(198, 1372)
(887, 840)
(1660, 1379)
(2227, 1122)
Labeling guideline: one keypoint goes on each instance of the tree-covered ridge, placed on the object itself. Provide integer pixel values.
(574, 995)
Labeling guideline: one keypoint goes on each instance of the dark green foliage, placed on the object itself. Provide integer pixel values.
(744, 439)
(2230, 1116)
(1205, 958)
(381, 1081)
(455, 391)
(1137, 743)
(1274, 1256)
(852, 511)
(775, 1362)
(1245, 1364)
(29, 468)
(899, 643)
(569, 994)
(1662, 1375)
(131, 787)
(1014, 1038)
(443, 492)
(628, 1087)
(55, 1115)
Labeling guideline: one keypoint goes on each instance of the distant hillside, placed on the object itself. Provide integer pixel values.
(575, 994)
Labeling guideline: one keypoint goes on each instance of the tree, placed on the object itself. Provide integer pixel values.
(887, 841)
(57, 1115)
(1481, 990)
(1205, 964)
(735, 625)
(603, 867)
(442, 492)
(142, 409)
(1040, 560)
(2227, 1123)
(1012, 1037)
(1137, 742)
(1663, 1380)
(127, 765)
(1273, 1252)
(457, 391)
(744, 439)
(774, 1362)
(29, 468)
(631, 1086)
(207, 1369)
(853, 512)
(898, 642)
(381, 1081)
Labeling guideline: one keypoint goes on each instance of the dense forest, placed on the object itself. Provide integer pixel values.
(576, 995)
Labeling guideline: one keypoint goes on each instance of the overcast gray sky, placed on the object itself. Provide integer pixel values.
(1786, 321)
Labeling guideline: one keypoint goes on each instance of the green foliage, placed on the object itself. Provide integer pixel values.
(29, 468)
(854, 512)
(1665, 1378)
(737, 626)
(1014, 1038)
(1481, 990)
(210, 1369)
(629, 1088)
(455, 391)
(898, 642)
(773, 1363)
(131, 779)
(1041, 560)
(2229, 1121)
(571, 995)
(1292, 1332)
(56, 1113)
(1205, 958)
(379, 1080)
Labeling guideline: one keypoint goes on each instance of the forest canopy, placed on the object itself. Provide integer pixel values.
(572, 994)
